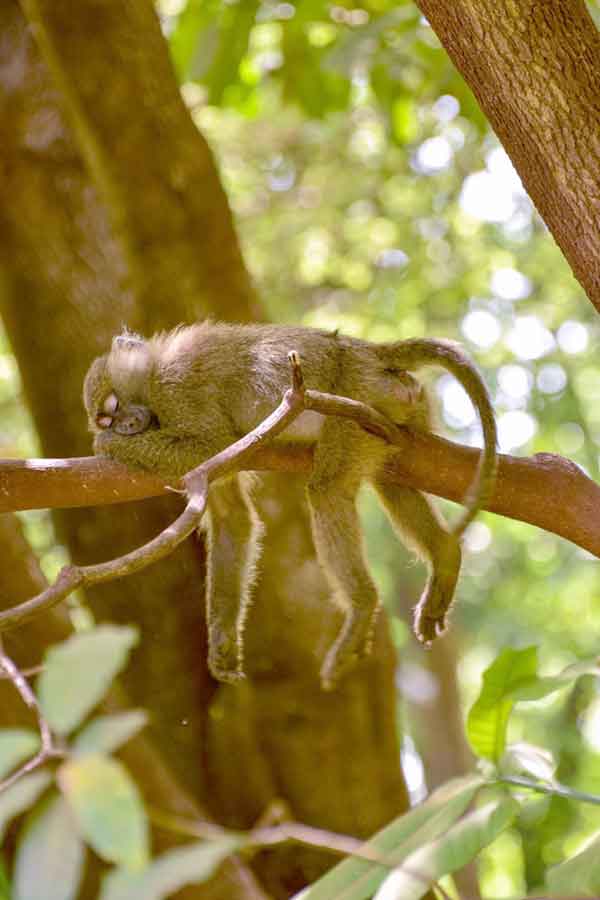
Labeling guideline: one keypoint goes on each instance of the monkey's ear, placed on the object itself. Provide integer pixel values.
(127, 340)
(93, 386)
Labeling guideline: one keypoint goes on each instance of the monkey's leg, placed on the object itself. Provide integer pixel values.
(337, 474)
(234, 533)
(421, 529)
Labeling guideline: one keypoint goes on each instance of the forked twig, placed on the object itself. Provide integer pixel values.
(48, 749)
(196, 484)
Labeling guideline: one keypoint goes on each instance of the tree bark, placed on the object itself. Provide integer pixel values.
(534, 70)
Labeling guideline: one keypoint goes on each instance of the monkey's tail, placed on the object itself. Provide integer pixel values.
(417, 352)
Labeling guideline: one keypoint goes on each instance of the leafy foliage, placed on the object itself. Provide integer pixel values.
(107, 807)
(311, 52)
(450, 852)
(50, 854)
(106, 734)
(78, 672)
(579, 876)
(98, 803)
(512, 677)
(192, 864)
(16, 745)
(357, 879)
(15, 799)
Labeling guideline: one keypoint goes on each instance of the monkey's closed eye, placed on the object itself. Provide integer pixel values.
(104, 419)
(111, 404)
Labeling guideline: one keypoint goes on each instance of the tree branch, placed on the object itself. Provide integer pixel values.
(545, 490)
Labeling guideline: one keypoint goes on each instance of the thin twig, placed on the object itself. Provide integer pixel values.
(48, 749)
(285, 832)
(554, 790)
(196, 828)
(26, 673)
(196, 484)
(344, 844)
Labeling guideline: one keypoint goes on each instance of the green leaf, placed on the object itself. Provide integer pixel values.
(50, 854)
(405, 121)
(579, 875)
(78, 672)
(453, 850)
(16, 745)
(108, 808)
(186, 40)
(171, 871)
(357, 879)
(20, 796)
(210, 42)
(107, 733)
(488, 717)
(541, 687)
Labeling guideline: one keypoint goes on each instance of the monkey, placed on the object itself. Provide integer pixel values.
(171, 401)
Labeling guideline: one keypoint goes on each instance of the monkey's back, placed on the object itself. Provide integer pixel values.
(238, 371)
(242, 372)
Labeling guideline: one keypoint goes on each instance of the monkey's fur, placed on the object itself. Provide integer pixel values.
(172, 401)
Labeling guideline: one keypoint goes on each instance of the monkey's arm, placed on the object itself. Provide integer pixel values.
(233, 535)
(160, 451)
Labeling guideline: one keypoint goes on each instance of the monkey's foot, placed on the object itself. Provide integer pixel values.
(430, 618)
(224, 657)
(431, 613)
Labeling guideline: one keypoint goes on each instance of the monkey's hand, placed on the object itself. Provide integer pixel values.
(170, 456)
(430, 617)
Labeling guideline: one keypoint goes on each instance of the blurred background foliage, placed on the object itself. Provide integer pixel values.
(371, 196)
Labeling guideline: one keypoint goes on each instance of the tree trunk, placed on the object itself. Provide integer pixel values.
(534, 68)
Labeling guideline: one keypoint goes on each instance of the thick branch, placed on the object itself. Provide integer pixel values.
(544, 490)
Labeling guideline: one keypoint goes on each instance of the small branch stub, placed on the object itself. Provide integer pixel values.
(297, 376)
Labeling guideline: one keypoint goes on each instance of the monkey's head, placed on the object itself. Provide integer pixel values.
(115, 388)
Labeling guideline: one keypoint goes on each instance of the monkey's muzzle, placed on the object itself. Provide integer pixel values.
(132, 420)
